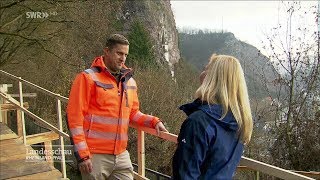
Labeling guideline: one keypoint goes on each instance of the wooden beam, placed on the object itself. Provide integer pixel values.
(24, 95)
(8, 136)
(8, 106)
(42, 137)
(136, 176)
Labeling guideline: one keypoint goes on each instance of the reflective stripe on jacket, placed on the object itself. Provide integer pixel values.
(100, 109)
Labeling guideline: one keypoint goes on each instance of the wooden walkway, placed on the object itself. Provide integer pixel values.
(13, 163)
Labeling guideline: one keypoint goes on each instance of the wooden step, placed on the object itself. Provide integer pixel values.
(54, 174)
(19, 167)
(14, 163)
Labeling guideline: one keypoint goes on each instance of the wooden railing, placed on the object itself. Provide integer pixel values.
(249, 163)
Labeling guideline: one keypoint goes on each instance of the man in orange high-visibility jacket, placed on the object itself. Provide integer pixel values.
(103, 100)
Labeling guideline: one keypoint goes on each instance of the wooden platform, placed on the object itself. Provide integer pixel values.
(13, 162)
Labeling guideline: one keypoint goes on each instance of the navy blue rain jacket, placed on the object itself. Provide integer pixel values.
(208, 148)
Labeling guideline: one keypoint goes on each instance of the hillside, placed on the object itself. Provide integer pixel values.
(196, 48)
(65, 41)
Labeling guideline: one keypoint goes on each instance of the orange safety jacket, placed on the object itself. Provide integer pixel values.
(100, 109)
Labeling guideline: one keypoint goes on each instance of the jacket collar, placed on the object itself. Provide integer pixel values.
(215, 111)
(99, 63)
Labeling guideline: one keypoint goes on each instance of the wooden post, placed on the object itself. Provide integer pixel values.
(141, 154)
(49, 155)
(22, 113)
(19, 123)
(4, 114)
(257, 175)
(63, 158)
(0, 111)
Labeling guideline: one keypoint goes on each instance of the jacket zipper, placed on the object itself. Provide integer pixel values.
(121, 96)
(120, 107)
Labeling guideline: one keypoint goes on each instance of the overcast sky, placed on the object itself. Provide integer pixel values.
(248, 20)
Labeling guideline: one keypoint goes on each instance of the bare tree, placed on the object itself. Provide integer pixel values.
(294, 50)
(30, 25)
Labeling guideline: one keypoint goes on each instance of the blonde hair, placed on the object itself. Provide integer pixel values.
(225, 84)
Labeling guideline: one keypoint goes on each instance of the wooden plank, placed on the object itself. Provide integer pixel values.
(24, 95)
(136, 176)
(54, 174)
(9, 107)
(13, 157)
(11, 149)
(42, 137)
(17, 141)
(7, 136)
(6, 132)
(11, 141)
(20, 167)
(4, 129)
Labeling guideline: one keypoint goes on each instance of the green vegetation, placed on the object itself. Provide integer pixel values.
(141, 52)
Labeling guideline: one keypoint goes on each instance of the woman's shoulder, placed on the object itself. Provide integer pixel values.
(200, 118)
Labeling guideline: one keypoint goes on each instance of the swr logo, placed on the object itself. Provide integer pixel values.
(35, 15)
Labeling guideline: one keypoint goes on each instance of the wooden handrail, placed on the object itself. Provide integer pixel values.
(163, 135)
(52, 94)
(271, 170)
(311, 174)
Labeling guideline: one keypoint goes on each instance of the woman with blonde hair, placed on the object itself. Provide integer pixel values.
(219, 123)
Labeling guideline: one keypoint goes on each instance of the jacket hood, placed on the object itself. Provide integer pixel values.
(215, 111)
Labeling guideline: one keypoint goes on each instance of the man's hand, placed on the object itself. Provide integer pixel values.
(160, 127)
(86, 166)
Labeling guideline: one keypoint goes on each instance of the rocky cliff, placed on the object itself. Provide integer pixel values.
(158, 19)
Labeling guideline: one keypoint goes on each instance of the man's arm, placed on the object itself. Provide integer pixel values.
(77, 107)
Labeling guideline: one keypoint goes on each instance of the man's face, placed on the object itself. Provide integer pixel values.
(115, 57)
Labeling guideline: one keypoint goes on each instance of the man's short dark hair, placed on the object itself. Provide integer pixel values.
(115, 39)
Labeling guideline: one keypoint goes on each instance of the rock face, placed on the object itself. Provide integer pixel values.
(159, 21)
